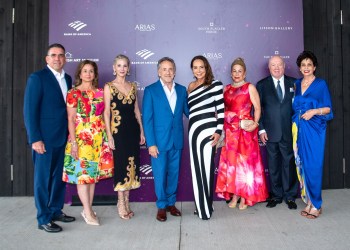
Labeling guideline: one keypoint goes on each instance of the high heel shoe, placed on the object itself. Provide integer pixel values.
(127, 205)
(123, 214)
(306, 210)
(242, 205)
(233, 202)
(92, 221)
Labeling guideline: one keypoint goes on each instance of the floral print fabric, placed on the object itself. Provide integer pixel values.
(240, 169)
(95, 160)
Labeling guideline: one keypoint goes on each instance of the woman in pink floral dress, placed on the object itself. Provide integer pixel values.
(88, 157)
(241, 173)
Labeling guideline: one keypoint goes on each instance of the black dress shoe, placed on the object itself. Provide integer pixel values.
(291, 204)
(64, 218)
(50, 227)
(273, 203)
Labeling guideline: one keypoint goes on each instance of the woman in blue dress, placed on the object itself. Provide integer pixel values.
(312, 108)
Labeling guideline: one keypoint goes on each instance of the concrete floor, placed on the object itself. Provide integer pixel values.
(257, 227)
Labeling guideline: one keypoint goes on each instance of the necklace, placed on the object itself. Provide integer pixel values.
(307, 83)
(238, 84)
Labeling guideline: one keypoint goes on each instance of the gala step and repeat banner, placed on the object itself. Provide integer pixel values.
(146, 30)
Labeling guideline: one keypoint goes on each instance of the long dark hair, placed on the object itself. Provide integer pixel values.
(209, 77)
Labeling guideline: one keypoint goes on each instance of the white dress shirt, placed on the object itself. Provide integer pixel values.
(170, 95)
(61, 81)
(281, 83)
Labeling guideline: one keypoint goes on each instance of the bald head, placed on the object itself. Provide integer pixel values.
(276, 66)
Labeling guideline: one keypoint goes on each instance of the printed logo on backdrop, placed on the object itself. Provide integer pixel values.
(211, 28)
(276, 28)
(144, 57)
(139, 88)
(213, 55)
(70, 58)
(77, 28)
(145, 27)
(146, 171)
(276, 53)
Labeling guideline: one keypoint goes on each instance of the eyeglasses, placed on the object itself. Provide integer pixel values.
(57, 55)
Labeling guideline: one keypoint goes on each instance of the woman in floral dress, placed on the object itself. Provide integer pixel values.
(241, 173)
(88, 158)
(125, 133)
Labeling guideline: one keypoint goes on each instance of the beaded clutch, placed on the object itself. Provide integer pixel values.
(244, 124)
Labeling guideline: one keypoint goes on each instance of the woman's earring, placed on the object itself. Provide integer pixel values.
(128, 73)
(114, 73)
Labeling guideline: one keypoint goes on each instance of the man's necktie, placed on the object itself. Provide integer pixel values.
(279, 91)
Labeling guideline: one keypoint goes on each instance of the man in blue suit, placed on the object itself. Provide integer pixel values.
(164, 103)
(45, 118)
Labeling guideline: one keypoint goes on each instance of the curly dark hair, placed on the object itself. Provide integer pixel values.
(80, 67)
(307, 55)
(209, 76)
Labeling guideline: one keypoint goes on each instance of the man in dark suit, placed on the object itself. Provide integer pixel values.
(45, 118)
(275, 130)
(164, 103)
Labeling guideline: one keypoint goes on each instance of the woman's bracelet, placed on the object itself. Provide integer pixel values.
(321, 111)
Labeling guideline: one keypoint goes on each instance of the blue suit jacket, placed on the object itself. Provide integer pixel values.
(45, 111)
(163, 128)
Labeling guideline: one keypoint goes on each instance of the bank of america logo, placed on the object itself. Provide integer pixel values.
(77, 25)
(146, 169)
(144, 53)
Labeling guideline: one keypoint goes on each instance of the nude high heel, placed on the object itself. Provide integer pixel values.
(233, 202)
(123, 214)
(242, 204)
(90, 221)
(127, 204)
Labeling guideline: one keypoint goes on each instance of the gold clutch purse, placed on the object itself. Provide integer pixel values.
(244, 124)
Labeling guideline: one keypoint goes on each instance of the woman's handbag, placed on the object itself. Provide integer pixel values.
(244, 124)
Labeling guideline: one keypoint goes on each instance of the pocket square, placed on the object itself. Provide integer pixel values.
(291, 89)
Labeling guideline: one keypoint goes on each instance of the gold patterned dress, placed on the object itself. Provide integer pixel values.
(126, 133)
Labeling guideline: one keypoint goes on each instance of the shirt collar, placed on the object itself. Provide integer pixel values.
(163, 84)
(281, 79)
(56, 74)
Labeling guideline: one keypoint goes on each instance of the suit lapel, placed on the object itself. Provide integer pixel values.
(177, 98)
(272, 88)
(163, 95)
(55, 83)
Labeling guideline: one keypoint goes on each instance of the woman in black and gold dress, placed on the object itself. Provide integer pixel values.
(125, 133)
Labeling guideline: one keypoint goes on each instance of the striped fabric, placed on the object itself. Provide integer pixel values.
(206, 118)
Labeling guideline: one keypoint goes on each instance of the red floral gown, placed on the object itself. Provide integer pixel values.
(240, 169)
